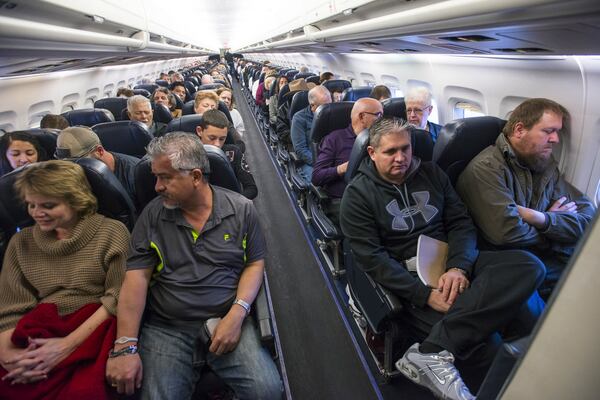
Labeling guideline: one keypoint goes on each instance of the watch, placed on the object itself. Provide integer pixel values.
(243, 304)
(131, 349)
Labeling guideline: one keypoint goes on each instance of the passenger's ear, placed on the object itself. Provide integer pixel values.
(197, 174)
(519, 130)
(371, 152)
(199, 131)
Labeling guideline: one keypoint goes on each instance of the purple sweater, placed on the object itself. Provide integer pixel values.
(335, 149)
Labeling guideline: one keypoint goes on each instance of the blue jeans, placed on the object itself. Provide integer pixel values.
(172, 360)
(305, 171)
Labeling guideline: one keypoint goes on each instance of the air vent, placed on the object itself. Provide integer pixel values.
(328, 46)
(468, 38)
(407, 50)
(524, 50)
(356, 50)
(370, 43)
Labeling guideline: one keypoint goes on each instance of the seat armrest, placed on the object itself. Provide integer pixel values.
(320, 194)
(294, 157)
(263, 316)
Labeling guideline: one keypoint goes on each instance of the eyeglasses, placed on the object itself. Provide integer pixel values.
(377, 114)
(416, 110)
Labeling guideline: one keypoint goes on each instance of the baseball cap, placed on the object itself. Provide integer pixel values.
(75, 142)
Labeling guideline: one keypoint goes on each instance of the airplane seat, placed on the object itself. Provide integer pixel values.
(220, 82)
(127, 137)
(179, 103)
(299, 101)
(337, 85)
(316, 79)
(394, 107)
(185, 123)
(379, 306)
(303, 75)
(195, 81)
(210, 86)
(284, 90)
(355, 93)
(142, 92)
(14, 209)
(190, 87)
(188, 108)
(221, 174)
(290, 74)
(88, 116)
(223, 108)
(161, 113)
(151, 87)
(113, 200)
(162, 83)
(328, 118)
(47, 139)
(461, 140)
(113, 104)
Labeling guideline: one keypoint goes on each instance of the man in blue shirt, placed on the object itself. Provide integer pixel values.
(419, 108)
(301, 127)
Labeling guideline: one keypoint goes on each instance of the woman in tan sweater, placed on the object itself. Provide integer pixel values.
(71, 257)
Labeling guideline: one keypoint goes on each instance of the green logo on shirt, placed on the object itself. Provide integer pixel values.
(226, 237)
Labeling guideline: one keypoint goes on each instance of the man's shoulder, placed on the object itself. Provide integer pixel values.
(125, 158)
(489, 158)
(237, 200)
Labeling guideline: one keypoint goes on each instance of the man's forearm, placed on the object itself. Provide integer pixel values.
(533, 217)
(251, 281)
(132, 302)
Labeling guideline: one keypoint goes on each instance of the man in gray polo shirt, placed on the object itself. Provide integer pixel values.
(197, 252)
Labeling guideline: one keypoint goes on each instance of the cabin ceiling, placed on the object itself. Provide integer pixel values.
(53, 35)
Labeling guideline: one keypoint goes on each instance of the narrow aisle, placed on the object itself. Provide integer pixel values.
(320, 358)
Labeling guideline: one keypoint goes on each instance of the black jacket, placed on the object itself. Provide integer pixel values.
(383, 222)
(242, 172)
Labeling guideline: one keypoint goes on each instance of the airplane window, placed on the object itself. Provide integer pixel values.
(396, 92)
(434, 116)
(88, 103)
(67, 107)
(464, 109)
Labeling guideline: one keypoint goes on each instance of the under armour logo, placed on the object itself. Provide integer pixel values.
(421, 198)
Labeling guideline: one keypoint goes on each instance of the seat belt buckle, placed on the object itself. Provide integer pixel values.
(411, 264)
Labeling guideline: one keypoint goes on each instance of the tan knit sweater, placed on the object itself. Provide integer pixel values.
(88, 267)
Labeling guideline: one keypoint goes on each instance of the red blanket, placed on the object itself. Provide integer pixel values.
(81, 374)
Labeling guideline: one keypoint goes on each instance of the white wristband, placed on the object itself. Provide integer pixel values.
(243, 304)
(126, 339)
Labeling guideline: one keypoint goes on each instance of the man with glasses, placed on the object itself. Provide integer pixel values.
(301, 127)
(418, 109)
(334, 153)
(81, 141)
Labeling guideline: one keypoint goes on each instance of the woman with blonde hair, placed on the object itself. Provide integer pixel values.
(226, 96)
(59, 286)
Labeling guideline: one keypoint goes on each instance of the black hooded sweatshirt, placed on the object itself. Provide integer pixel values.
(383, 222)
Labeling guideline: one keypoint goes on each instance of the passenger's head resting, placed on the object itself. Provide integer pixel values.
(390, 148)
(317, 96)
(205, 100)
(139, 109)
(184, 150)
(364, 113)
(62, 180)
(207, 80)
(418, 106)
(76, 142)
(532, 130)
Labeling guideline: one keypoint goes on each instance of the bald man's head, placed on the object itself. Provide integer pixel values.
(364, 113)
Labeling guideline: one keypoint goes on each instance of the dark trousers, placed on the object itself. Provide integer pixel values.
(502, 286)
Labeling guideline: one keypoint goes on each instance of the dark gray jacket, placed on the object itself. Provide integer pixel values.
(495, 183)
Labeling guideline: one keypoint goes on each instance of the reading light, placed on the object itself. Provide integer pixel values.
(348, 11)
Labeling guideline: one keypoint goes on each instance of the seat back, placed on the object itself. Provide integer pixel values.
(394, 107)
(161, 113)
(115, 105)
(328, 118)
(47, 139)
(355, 93)
(127, 137)
(113, 200)
(461, 140)
(303, 75)
(221, 174)
(188, 108)
(151, 87)
(337, 85)
(299, 101)
(185, 123)
(142, 92)
(290, 74)
(88, 116)
(210, 86)
(16, 217)
(316, 79)
(282, 92)
(162, 83)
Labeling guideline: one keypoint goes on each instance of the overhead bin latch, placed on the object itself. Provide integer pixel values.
(310, 31)
(144, 37)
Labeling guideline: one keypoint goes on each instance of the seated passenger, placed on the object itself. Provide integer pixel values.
(163, 96)
(325, 76)
(418, 109)
(226, 96)
(81, 141)
(207, 80)
(393, 199)
(54, 121)
(380, 92)
(176, 77)
(59, 288)
(301, 127)
(274, 100)
(124, 92)
(139, 109)
(516, 194)
(334, 153)
(19, 148)
(213, 130)
(221, 277)
(178, 89)
(282, 126)
(208, 100)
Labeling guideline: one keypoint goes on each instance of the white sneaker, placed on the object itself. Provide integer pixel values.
(435, 371)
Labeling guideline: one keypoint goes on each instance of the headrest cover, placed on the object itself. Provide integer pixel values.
(75, 142)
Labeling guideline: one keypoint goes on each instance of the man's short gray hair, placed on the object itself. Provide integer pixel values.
(386, 126)
(419, 93)
(318, 95)
(138, 98)
(185, 150)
